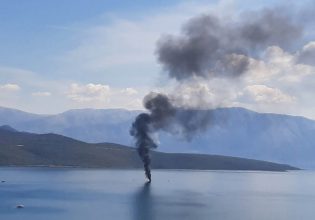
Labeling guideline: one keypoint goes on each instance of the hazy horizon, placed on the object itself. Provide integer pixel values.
(87, 108)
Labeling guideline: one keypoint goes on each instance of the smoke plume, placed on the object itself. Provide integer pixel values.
(207, 47)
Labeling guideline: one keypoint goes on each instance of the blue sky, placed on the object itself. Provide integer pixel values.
(57, 55)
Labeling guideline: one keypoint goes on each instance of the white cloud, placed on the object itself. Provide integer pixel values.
(277, 65)
(41, 94)
(194, 94)
(129, 91)
(265, 94)
(9, 87)
(307, 54)
(102, 96)
(277, 82)
(309, 46)
(65, 95)
(89, 92)
(31, 80)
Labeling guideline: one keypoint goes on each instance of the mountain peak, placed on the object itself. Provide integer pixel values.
(7, 128)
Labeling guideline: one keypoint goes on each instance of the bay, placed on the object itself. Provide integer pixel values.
(71, 193)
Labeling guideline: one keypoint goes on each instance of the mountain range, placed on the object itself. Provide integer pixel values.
(236, 132)
(28, 149)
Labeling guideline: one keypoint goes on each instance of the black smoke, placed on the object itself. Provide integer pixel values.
(163, 115)
(161, 110)
(208, 47)
(141, 131)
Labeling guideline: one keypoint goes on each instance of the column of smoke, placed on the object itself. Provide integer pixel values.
(207, 48)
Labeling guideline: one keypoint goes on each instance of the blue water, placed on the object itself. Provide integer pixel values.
(59, 193)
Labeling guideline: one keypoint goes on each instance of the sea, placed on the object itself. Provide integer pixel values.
(100, 194)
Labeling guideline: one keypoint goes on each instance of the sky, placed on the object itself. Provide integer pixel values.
(59, 55)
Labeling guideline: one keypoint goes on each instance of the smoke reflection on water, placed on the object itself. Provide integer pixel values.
(144, 203)
(174, 205)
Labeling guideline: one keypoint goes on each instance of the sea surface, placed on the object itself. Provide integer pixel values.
(93, 194)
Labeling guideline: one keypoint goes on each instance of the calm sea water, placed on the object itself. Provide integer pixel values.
(77, 194)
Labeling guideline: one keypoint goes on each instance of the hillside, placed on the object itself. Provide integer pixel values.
(234, 132)
(27, 149)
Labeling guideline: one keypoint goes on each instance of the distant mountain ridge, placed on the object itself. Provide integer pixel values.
(28, 149)
(234, 132)
(90, 125)
(7, 128)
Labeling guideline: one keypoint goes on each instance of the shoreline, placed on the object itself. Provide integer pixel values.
(140, 169)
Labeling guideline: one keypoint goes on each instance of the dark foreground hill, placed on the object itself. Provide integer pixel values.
(27, 149)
